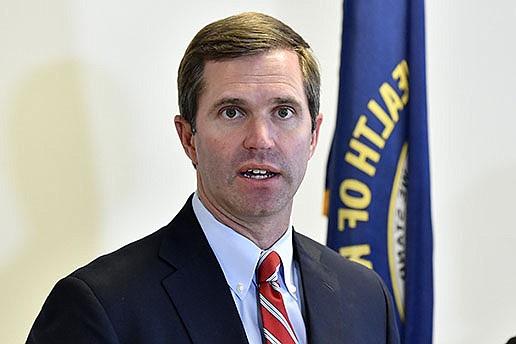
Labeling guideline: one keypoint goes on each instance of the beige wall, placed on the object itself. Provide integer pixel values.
(89, 158)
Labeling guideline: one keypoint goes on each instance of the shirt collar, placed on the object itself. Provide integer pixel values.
(285, 250)
(237, 255)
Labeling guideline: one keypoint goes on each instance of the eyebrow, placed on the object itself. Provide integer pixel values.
(287, 101)
(241, 102)
(229, 101)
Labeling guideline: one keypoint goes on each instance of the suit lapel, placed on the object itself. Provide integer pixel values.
(321, 293)
(198, 287)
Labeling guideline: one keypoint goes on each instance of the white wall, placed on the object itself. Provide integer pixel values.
(472, 97)
(89, 158)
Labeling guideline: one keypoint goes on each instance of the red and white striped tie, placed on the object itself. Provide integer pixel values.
(277, 328)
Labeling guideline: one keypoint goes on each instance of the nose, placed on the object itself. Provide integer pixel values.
(259, 134)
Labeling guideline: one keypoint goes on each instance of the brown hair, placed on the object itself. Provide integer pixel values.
(242, 35)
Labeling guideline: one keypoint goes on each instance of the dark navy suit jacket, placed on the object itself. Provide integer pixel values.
(169, 288)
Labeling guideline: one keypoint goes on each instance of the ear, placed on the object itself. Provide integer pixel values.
(315, 134)
(187, 137)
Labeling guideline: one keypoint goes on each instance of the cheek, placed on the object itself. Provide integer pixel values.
(302, 149)
(296, 158)
(213, 151)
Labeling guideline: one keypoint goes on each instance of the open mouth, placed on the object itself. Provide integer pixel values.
(258, 174)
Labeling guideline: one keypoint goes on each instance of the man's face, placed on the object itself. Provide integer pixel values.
(253, 138)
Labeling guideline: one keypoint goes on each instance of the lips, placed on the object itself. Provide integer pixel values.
(258, 174)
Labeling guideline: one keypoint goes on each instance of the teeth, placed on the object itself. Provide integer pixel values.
(257, 171)
(258, 174)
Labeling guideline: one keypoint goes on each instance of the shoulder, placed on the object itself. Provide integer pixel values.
(86, 305)
(362, 299)
(117, 293)
(123, 264)
(141, 260)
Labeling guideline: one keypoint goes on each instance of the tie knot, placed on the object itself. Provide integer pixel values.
(268, 267)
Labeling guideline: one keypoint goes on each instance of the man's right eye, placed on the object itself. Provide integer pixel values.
(231, 113)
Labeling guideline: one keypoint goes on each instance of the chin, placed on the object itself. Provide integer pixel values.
(260, 207)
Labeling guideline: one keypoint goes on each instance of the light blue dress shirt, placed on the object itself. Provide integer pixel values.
(238, 257)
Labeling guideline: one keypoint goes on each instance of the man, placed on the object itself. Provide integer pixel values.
(249, 103)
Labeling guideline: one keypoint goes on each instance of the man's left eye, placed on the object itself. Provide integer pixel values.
(285, 112)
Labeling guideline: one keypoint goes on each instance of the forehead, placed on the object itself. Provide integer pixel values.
(271, 71)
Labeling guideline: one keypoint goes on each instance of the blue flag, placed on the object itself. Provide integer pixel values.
(377, 184)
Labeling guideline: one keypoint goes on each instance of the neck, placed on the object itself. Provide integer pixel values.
(264, 231)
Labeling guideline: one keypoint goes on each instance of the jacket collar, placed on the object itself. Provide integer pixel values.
(197, 287)
(321, 294)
